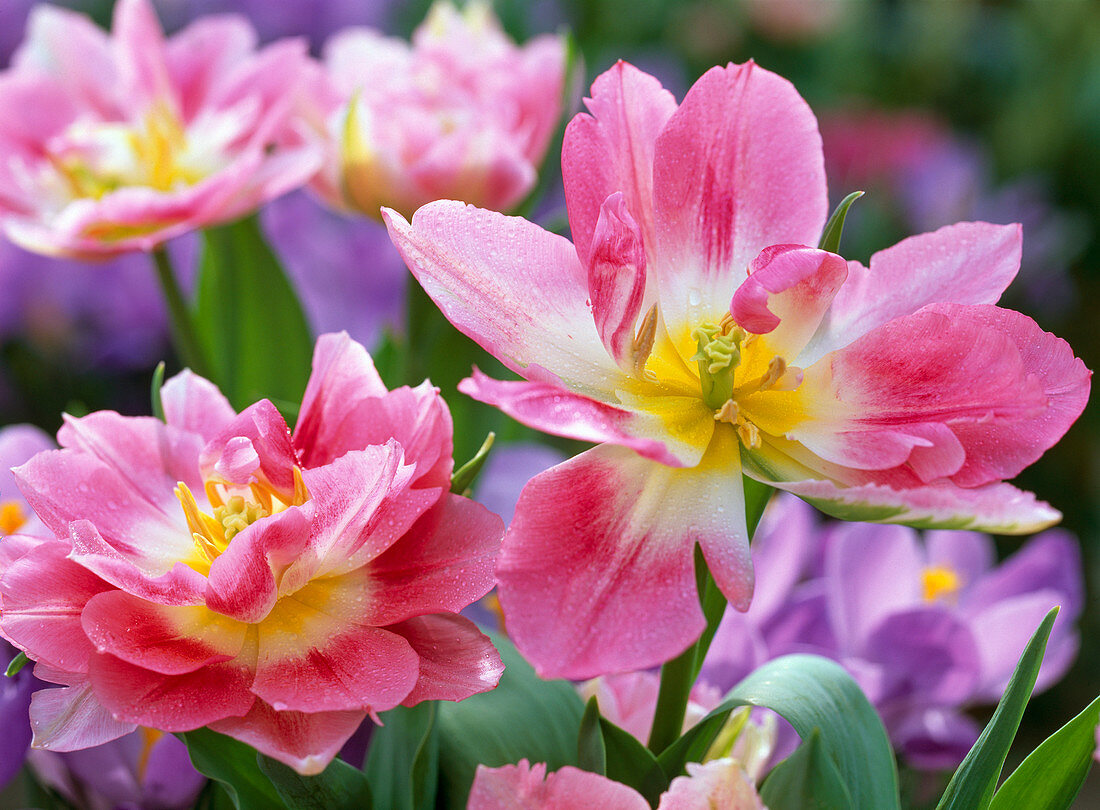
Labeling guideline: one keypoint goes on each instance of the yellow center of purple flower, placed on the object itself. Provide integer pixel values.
(12, 517)
(940, 583)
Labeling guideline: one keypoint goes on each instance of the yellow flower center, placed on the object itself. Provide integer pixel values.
(12, 517)
(940, 583)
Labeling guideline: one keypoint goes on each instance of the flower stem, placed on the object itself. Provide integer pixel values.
(679, 674)
(184, 336)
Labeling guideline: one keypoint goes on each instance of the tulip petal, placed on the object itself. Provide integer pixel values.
(194, 404)
(264, 426)
(616, 278)
(70, 718)
(456, 659)
(717, 783)
(528, 787)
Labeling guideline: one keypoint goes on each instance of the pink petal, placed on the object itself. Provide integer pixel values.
(264, 426)
(199, 57)
(616, 278)
(738, 167)
(514, 288)
(597, 573)
(165, 639)
(612, 150)
(965, 263)
(140, 51)
(718, 783)
(456, 659)
(305, 742)
(343, 375)
(70, 718)
(238, 461)
(548, 408)
(171, 702)
(443, 563)
(787, 293)
(996, 508)
(194, 404)
(527, 787)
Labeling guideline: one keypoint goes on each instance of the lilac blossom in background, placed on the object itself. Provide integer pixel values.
(508, 468)
(928, 628)
(15, 701)
(144, 770)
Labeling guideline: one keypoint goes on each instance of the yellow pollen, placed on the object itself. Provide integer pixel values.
(940, 582)
(12, 517)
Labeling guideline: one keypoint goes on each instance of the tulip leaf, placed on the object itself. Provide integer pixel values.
(16, 664)
(524, 717)
(154, 393)
(806, 780)
(402, 763)
(233, 764)
(337, 787)
(248, 317)
(630, 762)
(591, 753)
(465, 475)
(1053, 773)
(830, 237)
(973, 783)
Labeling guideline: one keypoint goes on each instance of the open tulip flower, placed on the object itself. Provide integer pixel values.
(464, 113)
(112, 143)
(215, 570)
(693, 330)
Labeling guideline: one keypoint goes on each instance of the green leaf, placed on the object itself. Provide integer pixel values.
(524, 717)
(972, 786)
(154, 393)
(630, 762)
(465, 475)
(1053, 773)
(830, 237)
(591, 754)
(250, 323)
(806, 780)
(234, 765)
(338, 787)
(16, 664)
(403, 761)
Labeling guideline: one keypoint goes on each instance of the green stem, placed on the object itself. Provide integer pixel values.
(184, 336)
(679, 674)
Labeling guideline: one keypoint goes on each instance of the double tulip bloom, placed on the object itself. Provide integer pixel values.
(118, 142)
(217, 570)
(694, 331)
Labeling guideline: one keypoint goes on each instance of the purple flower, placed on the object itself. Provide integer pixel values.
(15, 701)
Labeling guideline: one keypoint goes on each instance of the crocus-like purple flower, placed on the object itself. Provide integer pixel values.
(15, 701)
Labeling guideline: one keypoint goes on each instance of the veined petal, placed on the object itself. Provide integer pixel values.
(788, 291)
(306, 741)
(996, 508)
(528, 787)
(514, 288)
(456, 659)
(70, 718)
(738, 167)
(616, 278)
(965, 263)
(597, 573)
(612, 150)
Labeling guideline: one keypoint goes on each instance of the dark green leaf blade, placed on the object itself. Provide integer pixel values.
(1053, 773)
(972, 786)
(834, 228)
(630, 762)
(591, 754)
(233, 764)
(338, 787)
(249, 319)
(403, 760)
(806, 780)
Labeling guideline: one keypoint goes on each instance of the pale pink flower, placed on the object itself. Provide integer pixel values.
(117, 142)
(691, 332)
(719, 783)
(464, 113)
(629, 700)
(219, 571)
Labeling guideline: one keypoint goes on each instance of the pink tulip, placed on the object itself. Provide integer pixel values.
(719, 783)
(219, 571)
(118, 142)
(463, 113)
(693, 335)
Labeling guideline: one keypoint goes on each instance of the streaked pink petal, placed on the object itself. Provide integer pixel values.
(70, 718)
(443, 563)
(597, 572)
(171, 702)
(165, 639)
(528, 787)
(199, 57)
(264, 426)
(195, 404)
(456, 659)
(718, 783)
(238, 461)
(514, 288)
(306, 742)
(965, 263)
(738, 167)
(616, 278)
(139, 40)
(787, 293)
(996, 508)
(612, 150)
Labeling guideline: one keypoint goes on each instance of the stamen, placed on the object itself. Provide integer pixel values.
(728, 413)
(749, 434)
(642, 346)
(207, 532)
(301, 494)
